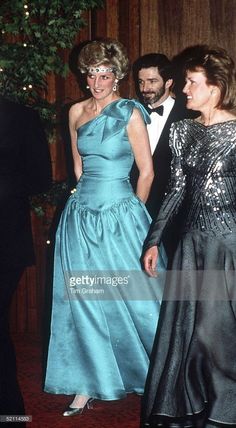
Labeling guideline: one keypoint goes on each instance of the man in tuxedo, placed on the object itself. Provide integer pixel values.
(25, 170)
(153, 77)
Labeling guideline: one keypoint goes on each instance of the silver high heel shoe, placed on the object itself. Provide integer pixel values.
(73, 411)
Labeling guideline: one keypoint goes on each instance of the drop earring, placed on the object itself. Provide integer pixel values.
(115, 86)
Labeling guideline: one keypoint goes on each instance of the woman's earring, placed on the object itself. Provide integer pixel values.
(115, 86)
(87, 87)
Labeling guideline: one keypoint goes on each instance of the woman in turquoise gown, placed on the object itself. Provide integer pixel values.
(101, 332)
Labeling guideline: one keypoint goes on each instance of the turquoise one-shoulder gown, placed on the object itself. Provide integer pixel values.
(100, 343)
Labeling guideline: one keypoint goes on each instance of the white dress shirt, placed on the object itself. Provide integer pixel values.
(158, 122)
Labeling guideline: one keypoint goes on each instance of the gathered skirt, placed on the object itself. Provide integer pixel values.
(193, 362)
(101, 332)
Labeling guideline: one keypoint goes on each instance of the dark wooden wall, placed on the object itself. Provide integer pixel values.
(143, 26)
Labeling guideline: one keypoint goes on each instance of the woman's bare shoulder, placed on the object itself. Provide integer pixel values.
(77, 111)
(79, 107)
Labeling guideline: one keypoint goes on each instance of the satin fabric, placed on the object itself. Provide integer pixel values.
(100, 347)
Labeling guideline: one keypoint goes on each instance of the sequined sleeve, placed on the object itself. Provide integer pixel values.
(176, 191)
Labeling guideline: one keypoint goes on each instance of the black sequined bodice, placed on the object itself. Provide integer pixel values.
(209, 164)
(203, 178)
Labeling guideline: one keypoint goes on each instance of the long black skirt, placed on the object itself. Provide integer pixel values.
(192, 375)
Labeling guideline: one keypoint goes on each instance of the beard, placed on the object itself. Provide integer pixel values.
(153, 97)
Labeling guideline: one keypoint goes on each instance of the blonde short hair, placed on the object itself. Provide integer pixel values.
(104, 52)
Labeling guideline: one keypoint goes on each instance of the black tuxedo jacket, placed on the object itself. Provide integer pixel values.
(25, 169)
(161, 163)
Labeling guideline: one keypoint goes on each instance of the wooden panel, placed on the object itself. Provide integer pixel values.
(149, 26)
(98, 22)
(129, 35)
(223, 24)
(105, 21)
(174, 25)
(195, 26)
(112, 22)
(72, 91)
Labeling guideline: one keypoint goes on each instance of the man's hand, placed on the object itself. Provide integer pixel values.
(150, 261)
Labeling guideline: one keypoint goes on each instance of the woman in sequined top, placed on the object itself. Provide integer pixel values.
(192, 376)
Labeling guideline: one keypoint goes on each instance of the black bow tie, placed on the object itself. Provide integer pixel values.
(159, 110)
